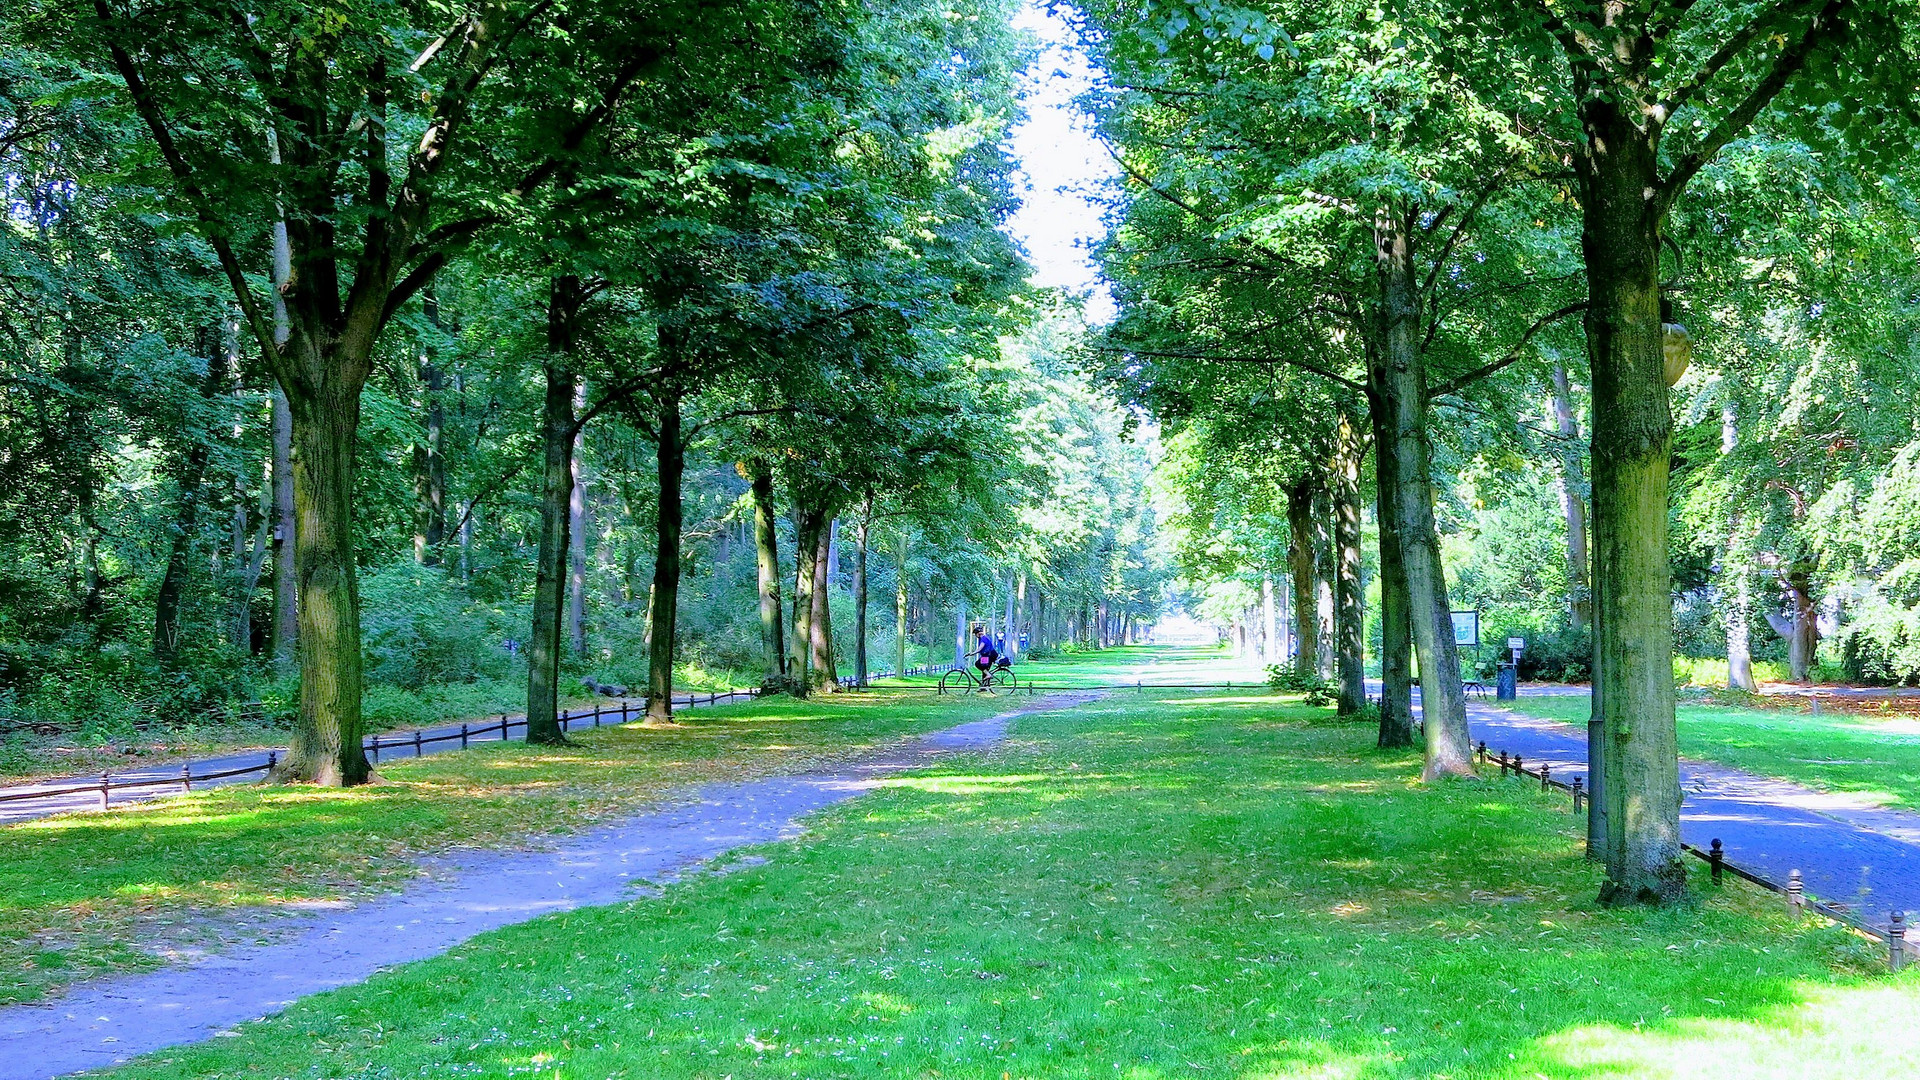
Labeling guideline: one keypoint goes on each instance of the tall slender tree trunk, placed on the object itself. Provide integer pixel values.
(1396, 633)
(1324, 582)
(1268, 652)
(826, 670)
(1398, 381)
(766, 547)
(1639, 798)
(286, 616)
(1573, 503)
(900, 610)
(186, 518)
(1350, 621)
(960, 634)
(807, 526)
(671, 455)
(558, 427)
(860, 597)
(430, 463)
(1306, 602)
(577, 526)
(1735, 564)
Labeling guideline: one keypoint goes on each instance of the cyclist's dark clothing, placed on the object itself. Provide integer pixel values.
(989, 652)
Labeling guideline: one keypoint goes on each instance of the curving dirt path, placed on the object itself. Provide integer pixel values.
(98, 1024)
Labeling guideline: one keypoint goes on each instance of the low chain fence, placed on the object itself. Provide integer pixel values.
(1893, 935)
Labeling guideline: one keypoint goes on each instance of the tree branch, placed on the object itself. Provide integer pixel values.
(1454, 384)
(1729, 49)
(1824, 25)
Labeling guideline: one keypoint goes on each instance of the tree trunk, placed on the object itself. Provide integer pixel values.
(900, 611)
(1804, 637)
(558, 428)
(826, 671)
(1350, 622)
(1396, 633)
(326, 743)
(286, 615)
(1398, 383)
(671, 454)
(860, 598)
(1739, 612)
(1306, 604)
(766, 547)
(193, 470)
(1268, 653)
(807, 525)
(430, 476)
(960, 635)
(1632, 441)
(1573, 503)
(1324, 574)
(577, 525)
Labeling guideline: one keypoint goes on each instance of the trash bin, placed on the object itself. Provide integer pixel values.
(1508, 686)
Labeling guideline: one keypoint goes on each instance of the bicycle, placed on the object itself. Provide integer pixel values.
(968, 680)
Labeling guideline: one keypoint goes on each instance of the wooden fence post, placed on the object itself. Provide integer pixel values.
(186, 779)
(463, 736)
(1716, 858)
(1796, 895)
(1897, 941)
(106, 785)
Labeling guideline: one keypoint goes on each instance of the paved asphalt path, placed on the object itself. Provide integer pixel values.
(28, 809)
(100, 1023)
(1850, 853)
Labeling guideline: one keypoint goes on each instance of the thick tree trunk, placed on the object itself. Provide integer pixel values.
(577, 526)
(671, 455)
(1398, 382)
(1573, 503)
(766, 548)
(860, 598)
(1639, 797)
(1396, 633)
(186, 518)
(326, 743)
(1804, 631)
(825, 668)
(1350, 617)
(1306, 602)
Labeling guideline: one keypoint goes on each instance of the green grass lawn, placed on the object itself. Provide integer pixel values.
(1875, 757)
(87, 894)
(1158, 888)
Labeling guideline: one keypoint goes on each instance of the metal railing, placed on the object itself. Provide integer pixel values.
(1893, 935)
(418, 741)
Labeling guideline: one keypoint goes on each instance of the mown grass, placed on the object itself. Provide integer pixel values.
(1170, 888)
(86, 894)
(1878, 758)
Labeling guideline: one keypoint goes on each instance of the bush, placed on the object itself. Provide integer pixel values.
(419, 626)
(1290, 680)
(1559, 654)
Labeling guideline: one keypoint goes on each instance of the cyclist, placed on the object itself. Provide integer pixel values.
(988, 653)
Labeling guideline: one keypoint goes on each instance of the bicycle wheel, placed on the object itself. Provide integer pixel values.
(955, 682)
(1003, 682)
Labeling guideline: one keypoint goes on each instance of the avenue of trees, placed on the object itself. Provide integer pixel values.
(376, 356)
(1602, 313)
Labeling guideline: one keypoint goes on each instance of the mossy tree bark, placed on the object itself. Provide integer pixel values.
(1396, 633)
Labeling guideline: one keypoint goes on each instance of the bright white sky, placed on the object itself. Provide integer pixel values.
(1063, 167)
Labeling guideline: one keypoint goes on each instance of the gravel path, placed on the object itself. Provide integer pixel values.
(102, 1023)
(1850, 852)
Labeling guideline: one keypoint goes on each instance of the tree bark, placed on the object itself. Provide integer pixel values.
(558, 428)
(1396, 633)
(1306, 602)
(807, 526)
(1350, 635)
(825, 669)
(1398, 386)
(1633, 699)
(577, 525)
(860, 598)
(900, 610)
(1324, 582)
(1804, 636)
(1573, 504)
(671, 455)
(286, 615)
(766, 547)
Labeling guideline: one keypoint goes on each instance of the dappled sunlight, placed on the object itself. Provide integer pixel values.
(971, 785)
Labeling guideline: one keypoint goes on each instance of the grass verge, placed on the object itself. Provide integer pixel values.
(1180, 887)
(1876, 757)
(89, 894)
